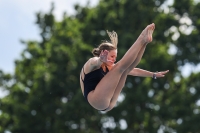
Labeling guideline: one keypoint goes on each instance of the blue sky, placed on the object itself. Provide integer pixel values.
(17, 19)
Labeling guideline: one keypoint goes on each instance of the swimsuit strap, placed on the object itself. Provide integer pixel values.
(107, 70)
(81, 74)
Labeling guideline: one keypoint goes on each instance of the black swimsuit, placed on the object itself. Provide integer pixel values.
(92, 79)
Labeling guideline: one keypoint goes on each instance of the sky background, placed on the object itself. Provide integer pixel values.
(17, 18)
(17, 23)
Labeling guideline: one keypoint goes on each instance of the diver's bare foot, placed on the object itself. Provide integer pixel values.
(146, 35)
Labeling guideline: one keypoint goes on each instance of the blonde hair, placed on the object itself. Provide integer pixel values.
(106, 45)
(113, 37)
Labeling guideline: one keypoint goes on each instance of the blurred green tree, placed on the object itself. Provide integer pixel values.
(44, 92)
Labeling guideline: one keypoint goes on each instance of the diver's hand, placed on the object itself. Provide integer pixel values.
(161, 74)
(104, 56)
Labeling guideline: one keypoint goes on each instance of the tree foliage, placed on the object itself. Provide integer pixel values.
(44, 92)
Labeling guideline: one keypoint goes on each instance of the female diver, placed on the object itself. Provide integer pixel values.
(102, 80)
